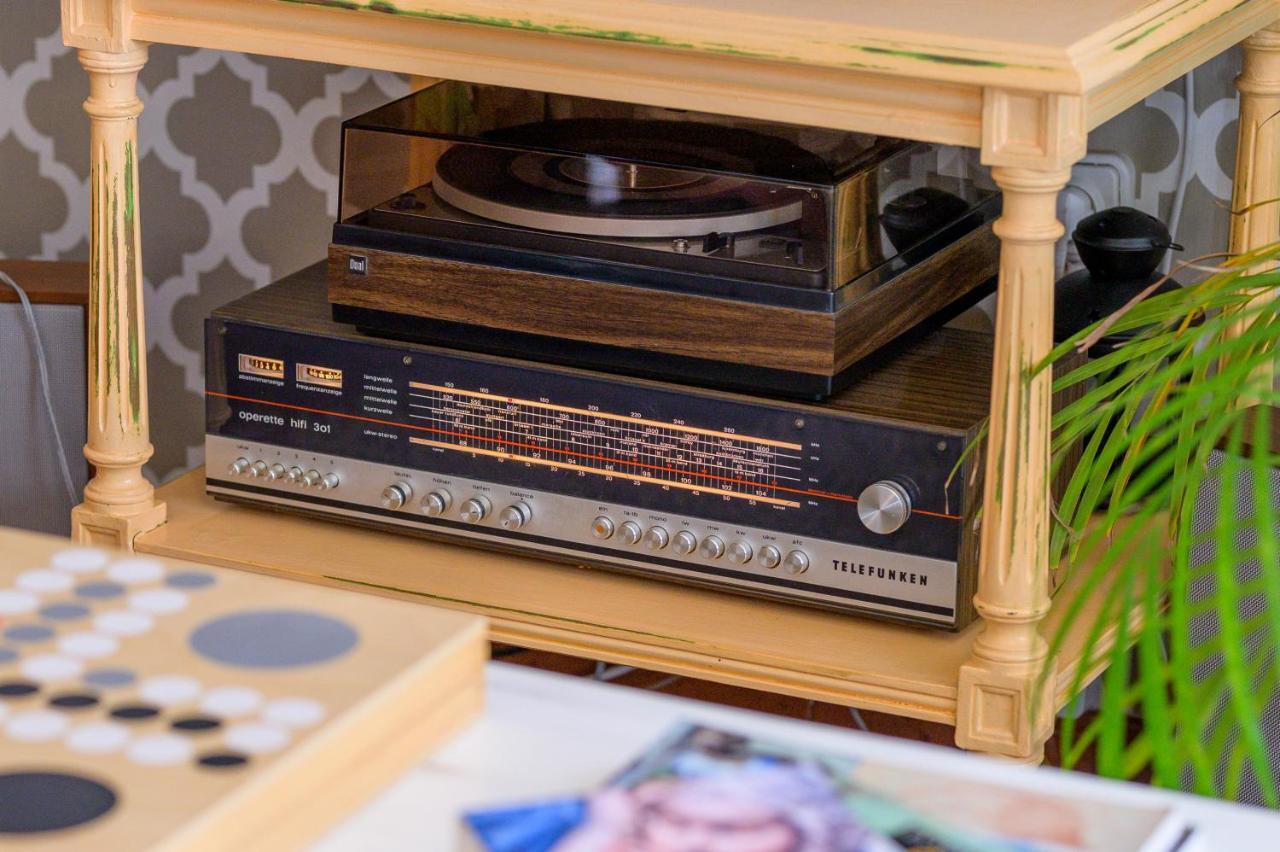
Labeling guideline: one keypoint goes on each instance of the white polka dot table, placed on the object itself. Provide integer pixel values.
(147, 704)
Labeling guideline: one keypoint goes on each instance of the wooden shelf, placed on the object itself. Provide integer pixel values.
(594, 613)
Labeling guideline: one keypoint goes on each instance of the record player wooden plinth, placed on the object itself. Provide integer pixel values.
(1024, 82)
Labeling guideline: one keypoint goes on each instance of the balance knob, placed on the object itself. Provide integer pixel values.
(884, 506)
(740, 553)
(312, 478)
(769, 557)
(629, 532)
(474, 510)
(712, 547)
(515, 516)
(238, 466)
(436, 503)
(258, 469)
(656, 538)
(602, 528)
(275, 472)
(396, 495)
(684, 543)
(797, 562)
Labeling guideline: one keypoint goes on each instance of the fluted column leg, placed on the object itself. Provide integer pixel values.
(118, 502)
(997, 687)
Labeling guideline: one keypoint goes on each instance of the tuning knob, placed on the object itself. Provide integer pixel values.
(515, 516)
(629, 533)
(475, 510)
(684, 542)
(740, 553)
(656, 538)
(712, 547)
(394, 496)
(436, 503)
(884, 506)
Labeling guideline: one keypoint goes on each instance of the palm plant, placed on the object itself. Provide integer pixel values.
(1195, 376)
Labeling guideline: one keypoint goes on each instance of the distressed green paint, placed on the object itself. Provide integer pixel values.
(941, 58)
(110, 284)
(510, 610)
(1130, 42)
(95, 338)
(132, 284)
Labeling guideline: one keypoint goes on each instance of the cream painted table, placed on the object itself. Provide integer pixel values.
(1022, 80)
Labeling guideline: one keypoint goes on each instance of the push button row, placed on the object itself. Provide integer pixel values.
(685, 543)
(277, 472)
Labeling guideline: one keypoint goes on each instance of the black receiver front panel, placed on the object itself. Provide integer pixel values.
(788, 467)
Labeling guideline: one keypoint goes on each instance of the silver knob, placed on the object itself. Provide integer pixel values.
(330, 481)
(275, 472)
(740, 553)
(436, 503)
(396, 495)
(629, 532)
(602, 528)
(515, 516)
(311, 478)
(258, 468)
(769, 557)
(712, 547)
(797, 562)
(884, 506)
(684, 542)
(294, 475)
(475, 510)
(656, 538)
(238, 466)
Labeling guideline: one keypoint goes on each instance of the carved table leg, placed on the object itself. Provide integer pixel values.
(118, 502)
(1257, 179)
(997, 688)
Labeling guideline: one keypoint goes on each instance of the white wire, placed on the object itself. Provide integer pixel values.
(1187, 163)
(43, 365)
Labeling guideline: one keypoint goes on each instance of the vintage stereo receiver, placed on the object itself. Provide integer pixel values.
(676, 245)
(849, 503)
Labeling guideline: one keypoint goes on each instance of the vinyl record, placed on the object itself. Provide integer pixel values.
(623, 184)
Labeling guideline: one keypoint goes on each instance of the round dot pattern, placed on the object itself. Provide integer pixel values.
(278, 638)
(196, 724)
(122, 622)
(17, 688)
(73, 701)
(99, 590)
(28, 633)
(8, 655)
(37, 802)
(51, 667)
(109, 677)
(158, 601)
(231, 701)
(36, 726)
(14, 602)
(88, 645)
(79, 560)
(293, 712)
(65, 611)
(43, 581)
(167, 690)
(223, 760)
(160, 750)
(190, 580)
(97, 738)
(134, 712)
(256, 738)
(135, 570)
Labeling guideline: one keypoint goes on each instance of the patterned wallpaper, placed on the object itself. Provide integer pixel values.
(239, 182)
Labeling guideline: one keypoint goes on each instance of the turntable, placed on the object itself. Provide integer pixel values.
(675, 245)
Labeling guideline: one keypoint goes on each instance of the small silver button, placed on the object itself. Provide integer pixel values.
(602, 528)
(769, 557)
(394, 496)
(797, 562)
(276, 472)
(629, 532)
(294, 475)
(475, 510)
(712, 547)
(515, 516)
(312, 478)
(238, 466)
(436, 503)
(330, 481)
(740, 553)
(656, 538)
(684, 543)
(258, 469)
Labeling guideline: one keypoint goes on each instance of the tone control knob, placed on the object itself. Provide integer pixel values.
(475, 510)
(769, 557)
(884, 506)
(712, 547)
(312, 478)
(515, 516)
(629, 532)
(276, 472)
(656, 538)
(395, 495)
(602, 528)
(238, 466)
(740, 553)
(797, 562)
(684, 543)
(294, 475)
(258, 469)
(436, 503)
(330, 481)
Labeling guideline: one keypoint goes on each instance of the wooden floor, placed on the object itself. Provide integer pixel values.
(765, 702)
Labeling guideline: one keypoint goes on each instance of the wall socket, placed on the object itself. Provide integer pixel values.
(1100, 180)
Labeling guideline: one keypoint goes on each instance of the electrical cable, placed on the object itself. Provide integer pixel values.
(43, 366)
(1186, 165)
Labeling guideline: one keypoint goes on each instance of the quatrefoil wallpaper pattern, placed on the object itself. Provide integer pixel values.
(239, 179)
